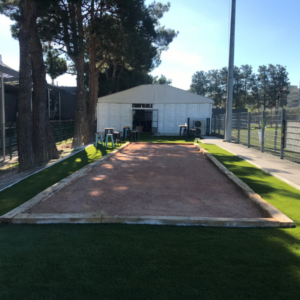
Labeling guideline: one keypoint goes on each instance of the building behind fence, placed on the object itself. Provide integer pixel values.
(276, 132)
(62, 130)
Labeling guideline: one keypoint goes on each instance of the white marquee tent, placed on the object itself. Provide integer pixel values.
(170, 108)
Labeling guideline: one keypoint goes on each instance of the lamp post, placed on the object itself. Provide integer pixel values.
(228, 119)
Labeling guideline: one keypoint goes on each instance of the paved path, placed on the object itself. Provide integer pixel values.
(280, 168)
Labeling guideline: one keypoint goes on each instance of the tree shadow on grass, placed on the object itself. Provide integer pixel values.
(29, 187)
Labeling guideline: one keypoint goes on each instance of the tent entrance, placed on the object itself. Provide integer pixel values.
(145, 120)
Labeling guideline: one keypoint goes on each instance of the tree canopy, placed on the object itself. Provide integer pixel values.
(161, 80)
(254, 90)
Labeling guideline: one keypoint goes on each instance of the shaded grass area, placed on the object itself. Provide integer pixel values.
(36, 183)
(157, 262)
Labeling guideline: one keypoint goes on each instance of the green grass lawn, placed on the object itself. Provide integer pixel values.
(154, 262)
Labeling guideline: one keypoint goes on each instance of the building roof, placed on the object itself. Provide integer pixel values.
(11, 77)
(70, 89)
(155, 93)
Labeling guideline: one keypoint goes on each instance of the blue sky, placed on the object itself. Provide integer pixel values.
(267, 31)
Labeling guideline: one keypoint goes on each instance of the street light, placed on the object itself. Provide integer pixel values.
(228, 120)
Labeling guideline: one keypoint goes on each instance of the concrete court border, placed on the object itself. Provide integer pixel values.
(19, 215)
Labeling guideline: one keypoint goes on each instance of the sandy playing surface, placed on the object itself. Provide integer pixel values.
(153, 180)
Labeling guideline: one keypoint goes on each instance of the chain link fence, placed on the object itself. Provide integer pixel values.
(276, 132)
(62, 131)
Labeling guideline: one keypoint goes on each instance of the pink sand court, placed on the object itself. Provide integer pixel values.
(153, 180)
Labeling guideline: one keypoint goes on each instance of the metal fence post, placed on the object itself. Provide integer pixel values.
(263, 131)
(3, 141)
(60, 130)
(249, 128)
(10, 151)
(224, 124)
(219, 124)
(238, 127)
(215, 120)
(276, 128)
(282, 133)
(208, 126)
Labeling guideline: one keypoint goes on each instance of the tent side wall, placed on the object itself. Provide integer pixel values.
(170, 116)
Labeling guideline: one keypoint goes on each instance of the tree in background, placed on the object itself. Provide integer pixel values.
(254, 98)
(140, 50)
(246, 76)
(249, 89)
(121, 35)
(200, 83)
(161, 80)
(215, 86)
(264, 84)
(237, 88)
(278, 79)
(55, 65)
(223, 85)
(109, 40)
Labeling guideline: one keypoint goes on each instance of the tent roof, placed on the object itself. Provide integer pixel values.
(155, 93)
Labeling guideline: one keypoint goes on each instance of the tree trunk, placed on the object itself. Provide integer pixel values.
(80, 102)
(79, 65)
(89, 122)
(24, 121)
(43, 142)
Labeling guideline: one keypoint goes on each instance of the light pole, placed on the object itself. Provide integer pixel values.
(228, 119)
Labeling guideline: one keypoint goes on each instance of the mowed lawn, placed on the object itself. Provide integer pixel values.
(155, 262)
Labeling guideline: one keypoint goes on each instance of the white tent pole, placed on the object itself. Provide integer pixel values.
(3, 112)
